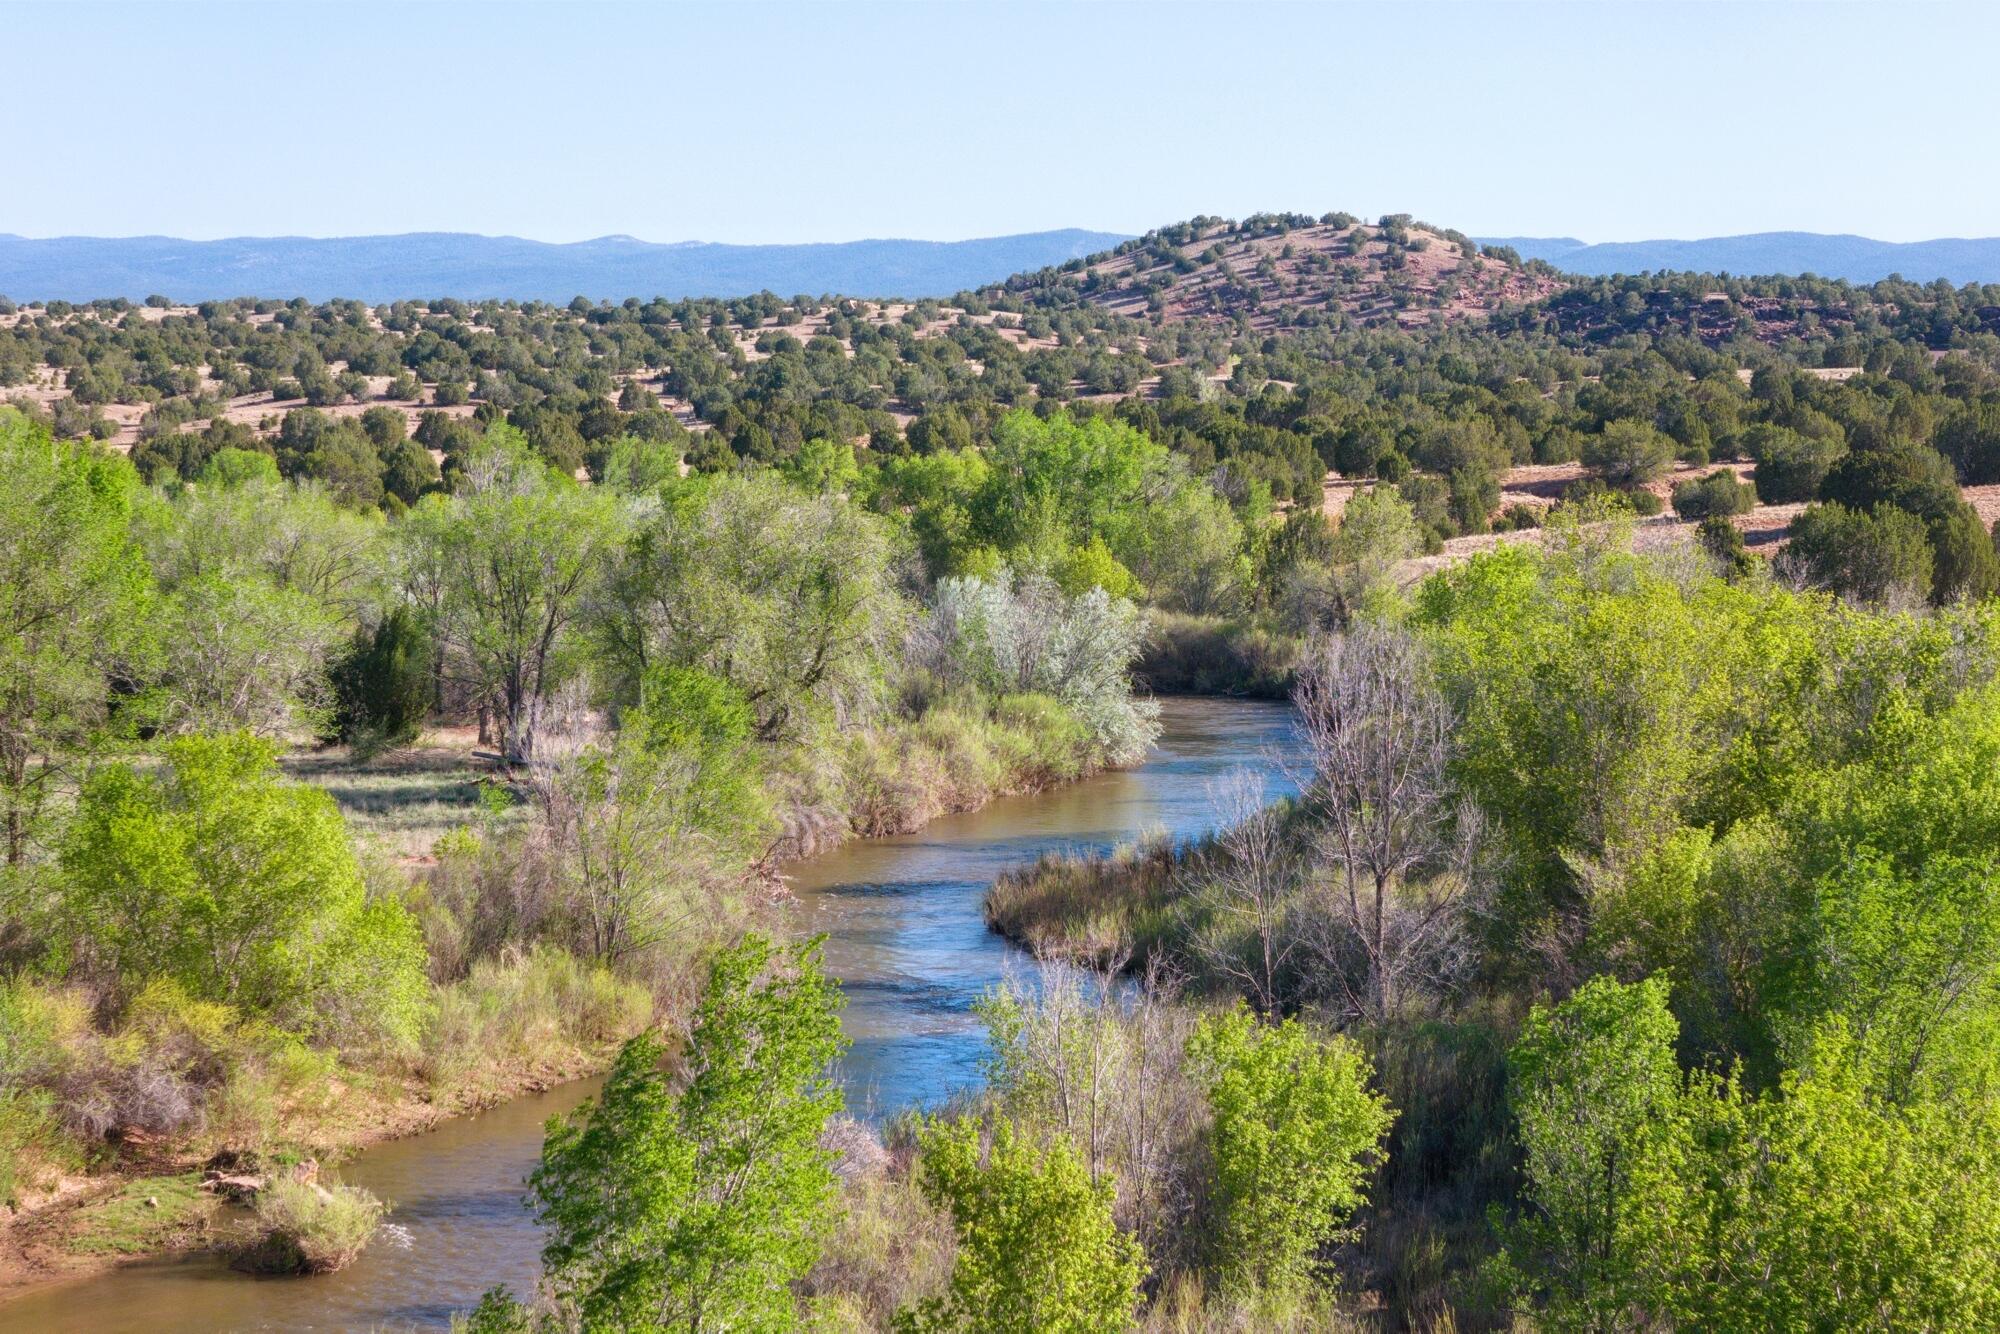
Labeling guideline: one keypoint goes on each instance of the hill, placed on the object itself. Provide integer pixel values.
(423, 265)
(1857, 259)
(1274, 271)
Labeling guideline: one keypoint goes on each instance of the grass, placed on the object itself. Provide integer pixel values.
(543, 1009)
(148, 1214)
(958, 753)
(405, 800)
(1088, 909)
(313, 1229)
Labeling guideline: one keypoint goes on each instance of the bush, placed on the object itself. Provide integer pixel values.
(383, 687)
(1628, 452)
(160, 865)
(1791, 467)
(1881, 557)
(1723, 541)
(1719, 493)
(312, 1229)
(1297, 1133)
(1037, 1245)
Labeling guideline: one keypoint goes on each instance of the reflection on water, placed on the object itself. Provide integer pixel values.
(907, 940)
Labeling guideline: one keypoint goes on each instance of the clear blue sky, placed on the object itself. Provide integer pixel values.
(832, 121)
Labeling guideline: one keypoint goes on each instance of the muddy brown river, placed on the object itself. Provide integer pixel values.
(904, 935)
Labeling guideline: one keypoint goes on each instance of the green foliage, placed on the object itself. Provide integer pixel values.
(710, 723)
(1819, 1205)
(383, 687)
(215, 872)
(1628, 452)
(1297, 1133)
(502, 570)
(1596, 1090)
(1093, 566)
(1594, 695)
(1880, 557)
(73, 591)
(1018, 636)
(1037, 1246)
(230, 467)
(1718, 494)
(694, 1204)
(1791, 467)
(786, 597)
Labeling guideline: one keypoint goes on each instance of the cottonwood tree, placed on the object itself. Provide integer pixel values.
(694, 1203)
(1398, 845)
(505, 566)
(73, 588)
(785, 596)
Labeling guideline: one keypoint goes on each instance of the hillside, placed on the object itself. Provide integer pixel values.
(456, 265)
(1275, 271)
(1857, 259)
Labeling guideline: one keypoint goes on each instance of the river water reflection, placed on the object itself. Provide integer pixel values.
(905, 937)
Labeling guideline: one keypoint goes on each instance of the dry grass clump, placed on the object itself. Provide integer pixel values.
(891, 1248)
(312, 1229)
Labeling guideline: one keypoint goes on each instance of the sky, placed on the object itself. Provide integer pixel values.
(834, 121)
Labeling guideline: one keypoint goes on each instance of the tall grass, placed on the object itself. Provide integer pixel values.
(1089, 909)
(955, 753)
(543, 1008)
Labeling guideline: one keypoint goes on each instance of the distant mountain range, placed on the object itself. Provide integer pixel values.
(456, 264)
(1855, 258)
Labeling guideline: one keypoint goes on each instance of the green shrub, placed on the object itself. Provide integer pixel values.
(1881, 557)
(1790, 466)
(382, 687)
(1296, 1134)
(1037, 1245)
(312, 1229)
(1717, 494)
(240, 886)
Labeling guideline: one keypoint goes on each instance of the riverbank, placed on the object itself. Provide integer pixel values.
(905, 937)
(157, 1207)
(531, 1031)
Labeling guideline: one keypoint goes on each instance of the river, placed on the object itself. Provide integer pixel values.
(906, 938)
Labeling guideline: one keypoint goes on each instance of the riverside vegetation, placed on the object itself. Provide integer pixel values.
(1625, 961)
(678, 686)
